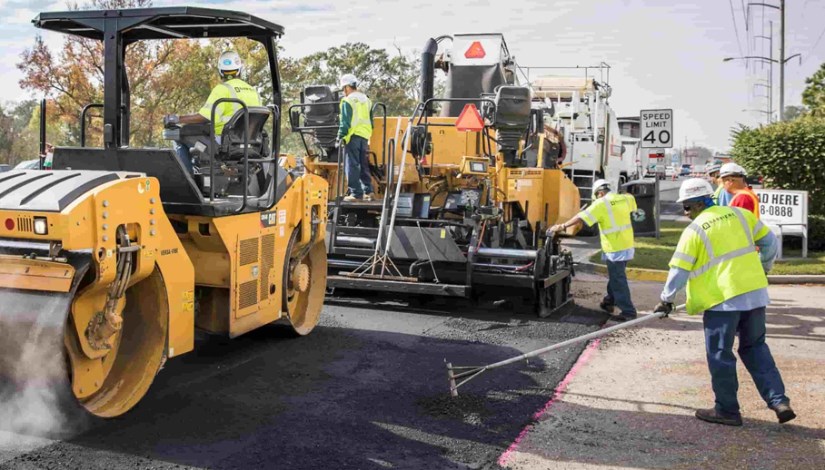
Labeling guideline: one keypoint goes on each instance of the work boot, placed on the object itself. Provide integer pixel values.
(606, 307)
(622, 318)
(711, 415)
(784, 413)
(350, 198)
(369, 197)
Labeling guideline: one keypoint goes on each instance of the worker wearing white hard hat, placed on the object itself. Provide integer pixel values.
(741, 195)
(612, 211)
(355, 130)
(229, 67)
(716, 260)
(720, 196)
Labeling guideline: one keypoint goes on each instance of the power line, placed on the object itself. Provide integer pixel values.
(735, 28)
(808, 55)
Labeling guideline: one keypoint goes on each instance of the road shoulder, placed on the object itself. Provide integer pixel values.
(632, 404)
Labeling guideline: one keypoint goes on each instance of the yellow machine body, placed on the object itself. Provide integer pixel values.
(226, 275)
(546, 195)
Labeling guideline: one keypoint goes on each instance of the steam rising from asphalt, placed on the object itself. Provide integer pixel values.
(33, 391)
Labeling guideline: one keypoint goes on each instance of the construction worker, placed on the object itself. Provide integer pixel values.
(720, 196)
(229, 67)
(354, 131)
(733, 180)
(716, 258)
(612, 212)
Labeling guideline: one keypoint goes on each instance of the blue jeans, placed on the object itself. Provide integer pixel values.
(183, 155)
(358, 166)
(618, 292)
(720, 329)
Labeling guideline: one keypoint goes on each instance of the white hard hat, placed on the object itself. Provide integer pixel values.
(693, 188)
(229, 61)
(600, 184)
(713, 168)
(732, 169)
(348, 79)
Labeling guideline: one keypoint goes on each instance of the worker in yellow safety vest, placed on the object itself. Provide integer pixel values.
(612, 212)
(355, 130)
(717, 260)
(232, 86)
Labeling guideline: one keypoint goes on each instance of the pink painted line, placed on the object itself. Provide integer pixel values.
(559, 392)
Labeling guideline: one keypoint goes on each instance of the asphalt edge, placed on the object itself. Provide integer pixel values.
(656, 275)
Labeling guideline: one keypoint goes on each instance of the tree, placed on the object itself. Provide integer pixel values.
(17, 142)
(385, 77)
(176, 76)
(814, 95)
(793, 112)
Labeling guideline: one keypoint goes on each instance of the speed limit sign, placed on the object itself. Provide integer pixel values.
(656, 128)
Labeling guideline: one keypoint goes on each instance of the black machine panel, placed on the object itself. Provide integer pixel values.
(414, 205)
(458, 200)
(47, 191)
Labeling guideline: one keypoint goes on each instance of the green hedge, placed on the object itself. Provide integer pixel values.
(788, 155)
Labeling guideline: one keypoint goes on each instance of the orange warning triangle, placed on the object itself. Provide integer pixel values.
(475, 51)
(469, 120)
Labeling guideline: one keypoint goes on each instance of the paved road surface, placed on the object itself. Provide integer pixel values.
(367, 389)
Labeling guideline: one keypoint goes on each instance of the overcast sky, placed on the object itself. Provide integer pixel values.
(663, 53)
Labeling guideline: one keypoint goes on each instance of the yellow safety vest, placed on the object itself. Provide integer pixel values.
(716, 194)
(234, 88)
(718, 249)
(361, 107)
(612, 213)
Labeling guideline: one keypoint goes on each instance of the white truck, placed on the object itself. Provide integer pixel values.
(579, 111)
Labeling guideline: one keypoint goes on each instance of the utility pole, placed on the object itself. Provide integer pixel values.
(769, 37)
(781, 60)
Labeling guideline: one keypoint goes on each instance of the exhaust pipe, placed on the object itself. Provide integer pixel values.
(428, 72)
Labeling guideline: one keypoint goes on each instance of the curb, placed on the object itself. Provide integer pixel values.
(633, 274)
(655, 275)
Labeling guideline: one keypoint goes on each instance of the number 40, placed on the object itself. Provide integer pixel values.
(664, 137)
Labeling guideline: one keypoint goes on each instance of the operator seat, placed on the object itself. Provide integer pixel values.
(229, 154)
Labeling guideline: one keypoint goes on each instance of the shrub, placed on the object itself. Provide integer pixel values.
(789, 155)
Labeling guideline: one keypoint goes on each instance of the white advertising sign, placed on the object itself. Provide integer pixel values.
(783, 207)
(656, 128)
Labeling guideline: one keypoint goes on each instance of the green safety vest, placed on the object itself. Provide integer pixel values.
(716, 193)
(612, 213)
(361, 124)
(719, 252)
(234, 88)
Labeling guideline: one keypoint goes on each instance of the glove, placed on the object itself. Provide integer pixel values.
(665, 307)
(554, 229)
(337, 142)
(171, 120)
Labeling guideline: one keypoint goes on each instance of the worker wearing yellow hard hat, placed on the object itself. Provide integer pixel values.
(717, 261)
(612, 212)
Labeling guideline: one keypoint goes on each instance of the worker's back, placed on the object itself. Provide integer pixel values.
(718, 249)
(234, 88)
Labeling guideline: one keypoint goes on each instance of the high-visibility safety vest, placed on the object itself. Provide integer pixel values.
(234, 88)
(716, 194)
(747, 192)
(361, 107)
(719, 252)
(612, 213)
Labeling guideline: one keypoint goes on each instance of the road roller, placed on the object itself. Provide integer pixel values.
(111, 261)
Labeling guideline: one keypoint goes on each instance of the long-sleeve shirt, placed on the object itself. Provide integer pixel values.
(677, 279)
